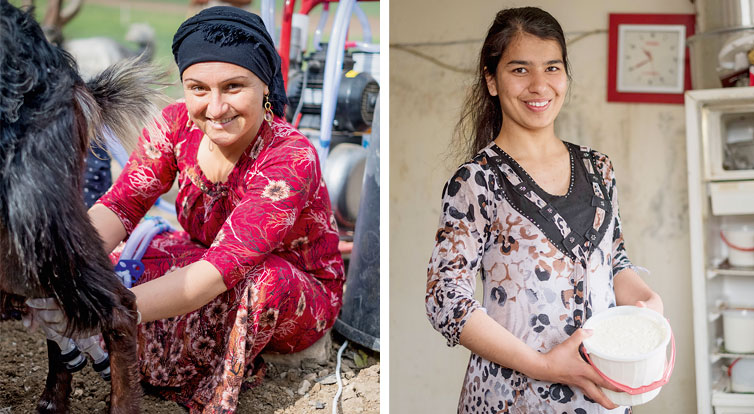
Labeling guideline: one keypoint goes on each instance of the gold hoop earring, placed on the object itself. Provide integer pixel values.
(268, 110)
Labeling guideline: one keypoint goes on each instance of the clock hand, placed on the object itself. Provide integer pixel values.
(646, 52)
(640, 64)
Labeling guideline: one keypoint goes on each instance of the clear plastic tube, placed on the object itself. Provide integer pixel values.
(333, 68)
(138, 243)
(317, 38)
(91, 347)
(155, 230)
(135, 239)
(268, 17)
(67, 347)
(366, 47)
(367, 29)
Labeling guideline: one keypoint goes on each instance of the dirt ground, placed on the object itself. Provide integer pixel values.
(306, 390)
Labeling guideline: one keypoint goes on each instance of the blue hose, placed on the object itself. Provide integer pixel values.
(130, 267)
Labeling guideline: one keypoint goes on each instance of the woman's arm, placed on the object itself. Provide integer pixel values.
(630, 289)
(149, 173)
(179, 292)
(485, 337)
(108, 225)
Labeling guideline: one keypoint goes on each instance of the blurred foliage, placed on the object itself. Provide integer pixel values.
(112, 19)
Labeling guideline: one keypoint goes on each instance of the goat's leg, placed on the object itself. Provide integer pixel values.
(55, 397)
(120, 337)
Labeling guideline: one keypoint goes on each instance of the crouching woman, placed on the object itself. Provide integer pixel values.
(257, 265)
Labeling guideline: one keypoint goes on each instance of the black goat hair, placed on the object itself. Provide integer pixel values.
(48, 247)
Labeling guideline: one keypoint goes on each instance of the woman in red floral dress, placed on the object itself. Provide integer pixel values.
(257, 266)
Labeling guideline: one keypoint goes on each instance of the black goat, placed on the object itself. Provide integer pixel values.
(48, 247)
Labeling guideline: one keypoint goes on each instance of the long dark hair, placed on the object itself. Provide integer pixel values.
(482, 117)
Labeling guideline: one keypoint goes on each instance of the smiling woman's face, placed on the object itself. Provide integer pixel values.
(225, 101)
(530, 82)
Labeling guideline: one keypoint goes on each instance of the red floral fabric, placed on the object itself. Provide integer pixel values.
(268, 229)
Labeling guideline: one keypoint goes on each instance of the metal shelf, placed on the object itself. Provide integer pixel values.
(728, 402)
(725, 269)
(722, 353)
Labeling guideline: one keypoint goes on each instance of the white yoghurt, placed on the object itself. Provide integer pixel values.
(627, 336)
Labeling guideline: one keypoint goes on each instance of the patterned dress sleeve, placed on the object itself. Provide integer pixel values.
(278, 187)
(620, 257)
(149, 173)
(459, 246)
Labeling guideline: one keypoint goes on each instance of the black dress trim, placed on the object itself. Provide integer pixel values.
(582, 237)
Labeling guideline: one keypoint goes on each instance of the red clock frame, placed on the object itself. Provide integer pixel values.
(616, 19)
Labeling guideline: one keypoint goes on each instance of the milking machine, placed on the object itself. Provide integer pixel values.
(73, 353)
(333, 92)
(129, 269)
(333, 89)
(355, 100)
(334, 101)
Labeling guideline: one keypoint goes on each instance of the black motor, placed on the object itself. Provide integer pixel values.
(357, 96)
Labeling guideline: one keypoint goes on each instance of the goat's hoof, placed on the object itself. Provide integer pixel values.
(49, 407)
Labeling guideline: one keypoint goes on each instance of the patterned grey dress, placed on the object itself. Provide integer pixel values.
(543, 275)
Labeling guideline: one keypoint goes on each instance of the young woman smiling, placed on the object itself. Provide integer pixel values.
(538, 217)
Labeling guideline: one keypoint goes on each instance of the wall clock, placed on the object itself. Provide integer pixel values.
(647, 57)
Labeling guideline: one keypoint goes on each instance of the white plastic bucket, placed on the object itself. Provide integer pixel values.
(738, 330)
(741, 373)
(740, 242)
(640, 377)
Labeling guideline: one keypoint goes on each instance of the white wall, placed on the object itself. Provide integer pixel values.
(645, 141)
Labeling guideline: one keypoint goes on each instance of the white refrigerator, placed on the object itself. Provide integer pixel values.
(720, 151)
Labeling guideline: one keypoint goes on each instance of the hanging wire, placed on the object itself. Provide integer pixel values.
(443, 43)
(581, 35)
(432, 59)
(409, 47)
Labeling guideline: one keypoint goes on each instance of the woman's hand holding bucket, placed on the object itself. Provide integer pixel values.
(563, 364)
(629, 351)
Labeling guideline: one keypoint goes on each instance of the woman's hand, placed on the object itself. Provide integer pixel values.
(630, 289)
(654, 303)
(178, 292)
(563, 364)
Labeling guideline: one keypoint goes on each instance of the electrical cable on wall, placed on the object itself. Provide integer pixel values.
(431, 59)
(409, 48)
(442, 43)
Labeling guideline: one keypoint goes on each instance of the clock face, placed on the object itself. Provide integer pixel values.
(650, 58)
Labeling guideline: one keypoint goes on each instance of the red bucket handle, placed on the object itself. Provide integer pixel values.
(644, 388)
(733, 246)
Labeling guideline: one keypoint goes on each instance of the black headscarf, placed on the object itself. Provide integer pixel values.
(232, 35)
